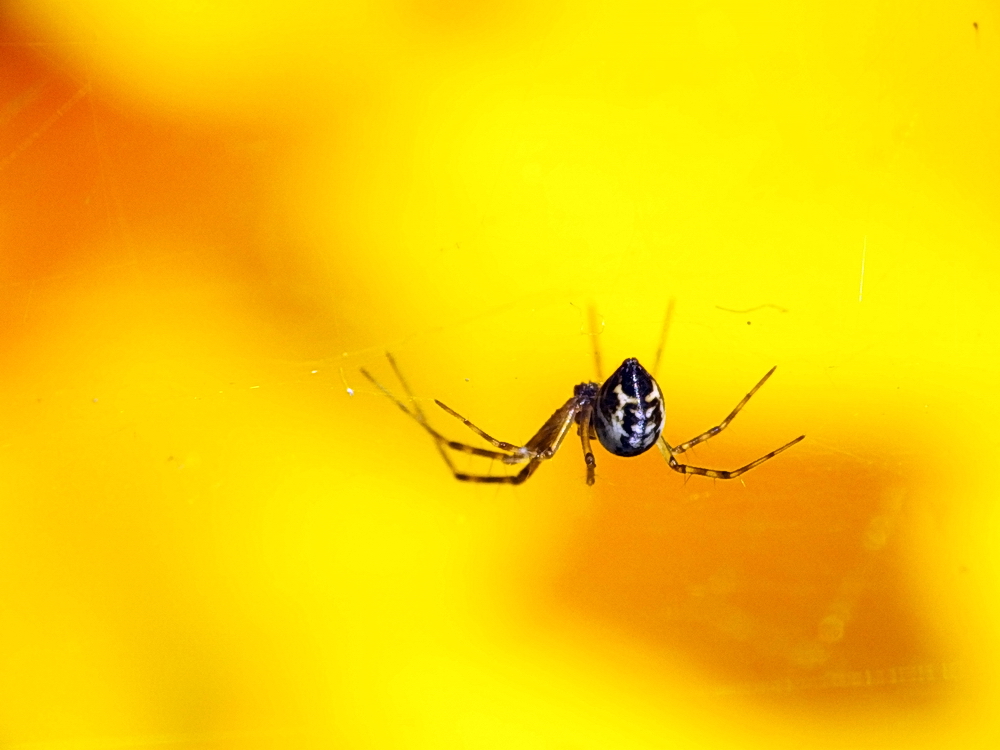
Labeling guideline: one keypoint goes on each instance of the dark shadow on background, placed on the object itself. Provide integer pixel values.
(793, 589)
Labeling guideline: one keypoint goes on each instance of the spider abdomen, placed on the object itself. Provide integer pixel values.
(629, 411)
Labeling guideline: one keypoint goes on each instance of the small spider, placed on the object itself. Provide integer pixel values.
(625, 413)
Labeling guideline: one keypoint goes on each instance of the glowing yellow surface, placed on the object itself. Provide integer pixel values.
(215, 533)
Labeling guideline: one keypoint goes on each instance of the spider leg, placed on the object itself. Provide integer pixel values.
(668, 454)
(725, 422)
(663, 336)
(585, 426)
(550, 435)
(418, 415)
(518, 450)
(518, 478)
(594, 332)
(406, 387)
(540, 448)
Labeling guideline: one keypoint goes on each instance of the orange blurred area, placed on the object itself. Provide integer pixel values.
(216, 533)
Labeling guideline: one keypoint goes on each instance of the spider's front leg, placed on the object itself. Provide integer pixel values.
(417, 414)
(542, 446)
(520, 453)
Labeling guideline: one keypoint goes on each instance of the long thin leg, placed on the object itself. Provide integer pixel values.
(554, 440)
(550, 435)
(406, 387)
(418, 415)
(518, 478)
(668, 453)
(504, 446)
(725, 422)
(595, 347)
(663, 337)
(541, 447)
(588, 455)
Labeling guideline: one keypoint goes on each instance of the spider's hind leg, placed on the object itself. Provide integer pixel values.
(521, 454)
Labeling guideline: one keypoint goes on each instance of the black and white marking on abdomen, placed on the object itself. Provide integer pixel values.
(629, 410)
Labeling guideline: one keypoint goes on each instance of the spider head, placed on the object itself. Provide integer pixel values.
(628, 411)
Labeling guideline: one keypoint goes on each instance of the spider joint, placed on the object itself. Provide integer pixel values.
(521, 455)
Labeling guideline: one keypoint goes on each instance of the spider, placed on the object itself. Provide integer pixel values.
(625, 413)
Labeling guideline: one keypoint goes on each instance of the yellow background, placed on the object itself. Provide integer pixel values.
(215, 533)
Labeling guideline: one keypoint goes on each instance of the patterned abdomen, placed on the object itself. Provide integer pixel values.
(629, 411)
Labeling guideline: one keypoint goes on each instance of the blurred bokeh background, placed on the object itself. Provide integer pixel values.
(214, 533)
